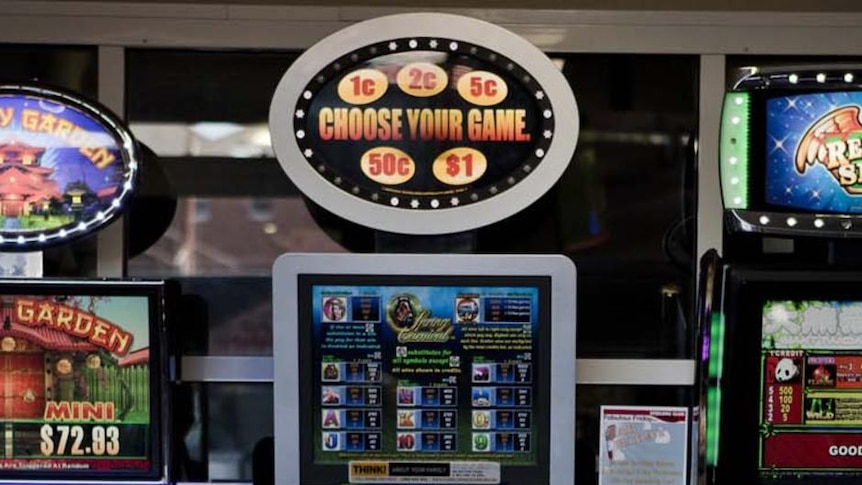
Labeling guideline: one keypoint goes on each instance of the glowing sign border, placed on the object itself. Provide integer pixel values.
(404, 219)
(130, 154)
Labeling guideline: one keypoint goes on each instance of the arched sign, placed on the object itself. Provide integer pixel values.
(424, 123)
(67, 167)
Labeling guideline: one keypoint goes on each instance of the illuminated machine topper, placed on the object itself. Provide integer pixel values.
(67, 167)
(82, 382)
(410, 124)
(791, 152)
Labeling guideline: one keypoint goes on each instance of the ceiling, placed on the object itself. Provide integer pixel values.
(700, 5)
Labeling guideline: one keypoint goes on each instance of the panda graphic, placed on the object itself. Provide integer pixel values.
(786, 371)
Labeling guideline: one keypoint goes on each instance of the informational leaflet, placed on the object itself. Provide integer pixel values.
(643, 445)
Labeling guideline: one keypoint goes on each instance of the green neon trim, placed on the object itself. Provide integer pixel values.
(713, 402)
(733, 149)
(762, 396)
(716, 346)
(713, 393)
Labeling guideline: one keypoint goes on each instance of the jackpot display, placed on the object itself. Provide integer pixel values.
(80, 384)
(811, 391)
(412, 123)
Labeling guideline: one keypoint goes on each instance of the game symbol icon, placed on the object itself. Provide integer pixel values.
(331, 419)
(481, 396)
(481, 442)
(330, 372)
(467, 309)
(405, 396)
(406, 419)
(821, 371)
(401, 311)
(787, 370)
(330, 441)
(330, 396)
(481, 373)
(481, 419)
(406, 441)
(334, 309)
(820, 409)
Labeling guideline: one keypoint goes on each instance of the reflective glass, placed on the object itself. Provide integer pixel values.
(217, 429)
(624, 209)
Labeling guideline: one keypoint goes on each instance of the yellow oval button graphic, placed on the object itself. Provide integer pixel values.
(422, 79)
(387, 165)
(482, 88)
(460, 166)
(362, 86)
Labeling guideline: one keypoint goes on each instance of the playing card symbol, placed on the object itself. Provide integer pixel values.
(832, 141)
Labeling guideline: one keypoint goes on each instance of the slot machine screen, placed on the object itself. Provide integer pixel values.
(796, 356)
(81, 382)
(425, 376)
(814, 152)
(811, 395)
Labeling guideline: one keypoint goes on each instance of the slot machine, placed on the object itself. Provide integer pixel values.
(781, 311)
(405, 368)
(84, 374)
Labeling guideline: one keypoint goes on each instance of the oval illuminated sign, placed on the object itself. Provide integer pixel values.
(412, 124)
(67, 167)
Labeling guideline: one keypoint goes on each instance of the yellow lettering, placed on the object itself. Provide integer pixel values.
(854, 148)
(847, 175)
(474, 124)
(25, 311)
(64, 318)
(30, 119)
(47, 123)
(836, 154)
(100, 156)
(119, 341)
(83, 325)
(46, 314)
(413, 122)
(99, 332)
(6, 115)
(324, 123)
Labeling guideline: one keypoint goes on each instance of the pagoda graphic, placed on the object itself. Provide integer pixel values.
(26, 187)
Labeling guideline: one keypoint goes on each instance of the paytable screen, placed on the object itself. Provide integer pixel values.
(811, 393)
(439, 373)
